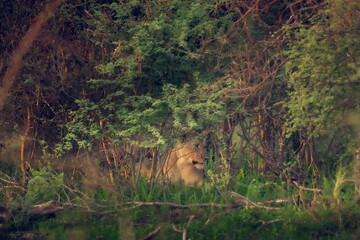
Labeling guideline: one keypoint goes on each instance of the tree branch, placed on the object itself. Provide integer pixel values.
(26, 42)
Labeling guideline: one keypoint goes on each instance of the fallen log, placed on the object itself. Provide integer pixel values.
(40, 210)
(51, 207)
(240, 201)
(45, 209)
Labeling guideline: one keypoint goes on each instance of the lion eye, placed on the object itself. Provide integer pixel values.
(196, 162)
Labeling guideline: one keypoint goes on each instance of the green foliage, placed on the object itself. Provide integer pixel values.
(43, 186)
(157, 74)
(256, 187)
(193, 110)
(322, 64)
(135, 223)
(178, 193)
(170, 67)
(321, 73)
(219, 176)
(77, 225)
(328, 220)
(339, 190)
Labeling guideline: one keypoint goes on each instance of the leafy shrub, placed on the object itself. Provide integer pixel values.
(43, 186)
(219, 176)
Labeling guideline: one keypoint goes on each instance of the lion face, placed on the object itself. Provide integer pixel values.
(184, 163)
(189, 153)
(189, 162)
(198, 165)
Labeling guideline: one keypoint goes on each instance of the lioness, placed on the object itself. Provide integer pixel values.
(184, 163)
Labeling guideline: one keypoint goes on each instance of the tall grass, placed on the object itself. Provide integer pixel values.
(333, 214)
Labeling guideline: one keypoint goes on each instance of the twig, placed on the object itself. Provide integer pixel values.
(9, 187)
(13, 184)
(301, 188)
(187, 226)
(75, 191)
(184, 231)
(212, 217)
(263, 223)
(74, 205)
(275, 201)
(240, 199)
(182, 206)
(152, 234)
(176, 230)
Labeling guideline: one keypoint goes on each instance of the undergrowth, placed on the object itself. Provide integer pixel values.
(112, 213)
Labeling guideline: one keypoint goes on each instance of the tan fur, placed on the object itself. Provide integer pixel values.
(144, 168)
(184, 163)
(191, 175)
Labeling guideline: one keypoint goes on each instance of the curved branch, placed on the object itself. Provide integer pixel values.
(16, 59)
